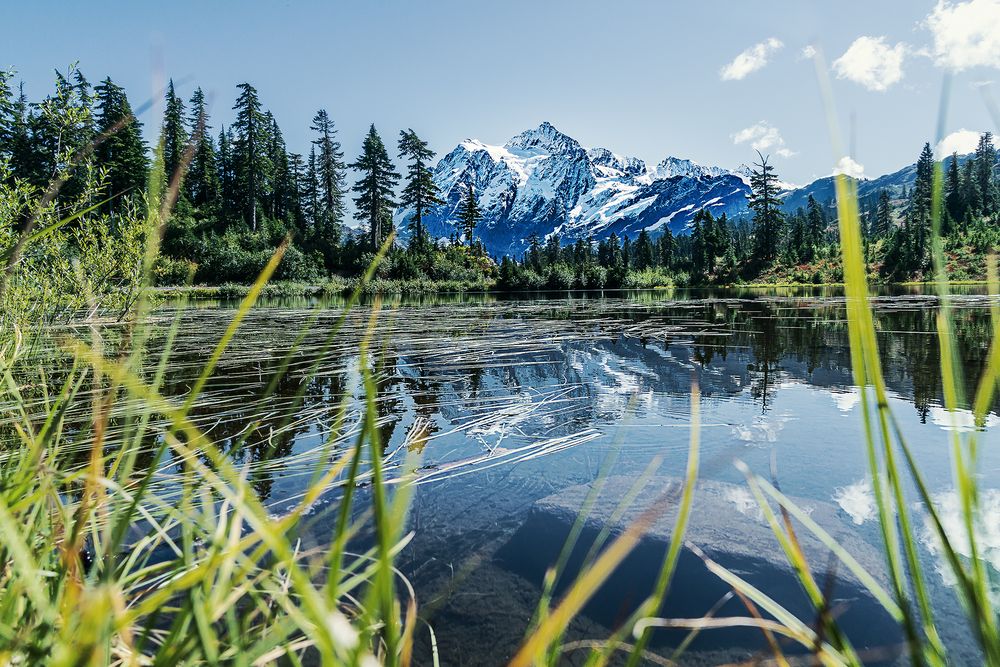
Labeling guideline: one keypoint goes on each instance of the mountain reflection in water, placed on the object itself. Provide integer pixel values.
(511, 400)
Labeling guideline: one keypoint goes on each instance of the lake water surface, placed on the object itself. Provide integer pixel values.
(512, 401)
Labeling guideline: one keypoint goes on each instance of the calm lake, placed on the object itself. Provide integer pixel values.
(513, 403)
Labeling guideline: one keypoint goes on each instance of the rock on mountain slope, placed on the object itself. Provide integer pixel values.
(543, 181)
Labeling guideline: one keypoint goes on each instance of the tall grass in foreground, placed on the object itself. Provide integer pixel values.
(102, 563)
(98, 565)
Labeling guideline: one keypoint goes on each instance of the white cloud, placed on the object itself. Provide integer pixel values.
(966, 34)
(849, 167)
(960, 141)
(762, 137)
(871, 62)
(750, 60)
(809, 52)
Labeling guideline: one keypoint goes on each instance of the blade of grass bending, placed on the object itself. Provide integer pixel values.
(223, 477)
(382, 591)
(788, 620)
(964, 463)
(797, 559)
(583, 588)
(828, 541)
(866, 368)
(966, 585)
(555, 571)
(653, 603)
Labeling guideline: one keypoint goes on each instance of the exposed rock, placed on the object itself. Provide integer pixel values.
(727, 525)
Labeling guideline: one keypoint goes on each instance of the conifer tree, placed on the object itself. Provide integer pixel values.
(766, 206)
(797, 246)
(297, 179)
(986, 159)
(279, 194)
(174, 135)
(972, 198)
(420, 191)
(249, 156)
(330, 169)
(643, 251)
(227, 179)
(375, 188)
(533, 257)
(953, 192)
(327, 163)
(310, 191)
(667, 249)
(918, 217)
(8, 116)
(62, 134)
(469, 215)
(882, 222)
(816, 224)
(202, 186)
(121, 149)
(20, 147)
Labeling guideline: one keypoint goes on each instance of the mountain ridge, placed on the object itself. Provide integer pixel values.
(542, 181)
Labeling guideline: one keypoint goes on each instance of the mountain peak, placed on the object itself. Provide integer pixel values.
(545, 137)
(670, 167)
(603, 157)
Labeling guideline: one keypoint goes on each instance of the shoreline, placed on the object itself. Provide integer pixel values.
(421, 287)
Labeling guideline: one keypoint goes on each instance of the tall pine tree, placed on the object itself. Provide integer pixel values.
(882, 222)
(918, 216)
(420, 192)
(766, 206)
(328, 169)
(986, 160)
(202, 186)
(174, 136)
(121, 150)
(375, 188)
(469, 215)
(249, 154)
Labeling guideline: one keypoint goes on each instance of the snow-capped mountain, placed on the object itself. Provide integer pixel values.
(543, 181)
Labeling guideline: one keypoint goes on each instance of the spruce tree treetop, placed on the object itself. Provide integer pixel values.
(766, 206)
(330, 170)
(202, 182)
(420, 192)
(469, 214)
(986, 160)
(174, 135)
(120, 148)
(375, 188)
(250, 166)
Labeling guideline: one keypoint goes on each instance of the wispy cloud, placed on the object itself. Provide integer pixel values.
(966, 34)
(763, 137)
(871, 62)
(750, 60)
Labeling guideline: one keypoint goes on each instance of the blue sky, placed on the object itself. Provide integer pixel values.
(646, 78)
